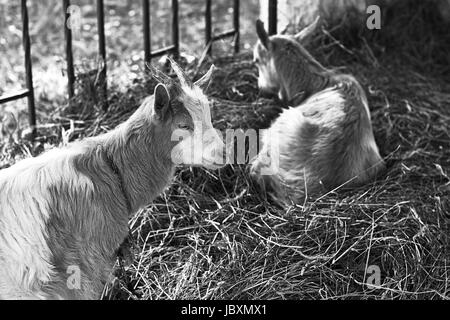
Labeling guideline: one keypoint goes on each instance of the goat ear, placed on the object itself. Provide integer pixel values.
(162, 101)
(262, 33)
(304, 35)
(204, 81)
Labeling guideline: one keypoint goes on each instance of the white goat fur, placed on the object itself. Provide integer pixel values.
(70, 207)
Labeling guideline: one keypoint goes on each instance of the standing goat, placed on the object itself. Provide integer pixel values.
(65, 213)
(325, 140)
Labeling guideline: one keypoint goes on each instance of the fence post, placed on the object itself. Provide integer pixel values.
(69, 54)
(175, 30)
(147, 35)
(208, 29)
(273, 16)
(236, 25)
(28, 69)
(102, 51)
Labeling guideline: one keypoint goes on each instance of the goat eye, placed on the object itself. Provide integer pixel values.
(185, 127)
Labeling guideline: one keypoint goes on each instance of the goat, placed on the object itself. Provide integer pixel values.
(325, 139)
(65, 212)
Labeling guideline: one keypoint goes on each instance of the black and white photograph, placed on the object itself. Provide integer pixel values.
(220, 155)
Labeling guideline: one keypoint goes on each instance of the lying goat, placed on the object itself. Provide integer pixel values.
(325, 140)
(64, 214)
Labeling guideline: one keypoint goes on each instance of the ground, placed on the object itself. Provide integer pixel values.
(214, 235)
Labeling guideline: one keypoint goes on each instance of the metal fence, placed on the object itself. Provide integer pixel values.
(148, 52)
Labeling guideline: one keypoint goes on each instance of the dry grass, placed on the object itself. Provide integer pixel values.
(213, 235)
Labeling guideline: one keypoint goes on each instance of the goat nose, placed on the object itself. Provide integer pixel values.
(219, 156)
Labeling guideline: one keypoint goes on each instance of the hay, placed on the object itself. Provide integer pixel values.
(213, 235)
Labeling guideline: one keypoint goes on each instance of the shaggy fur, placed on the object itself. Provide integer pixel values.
(326, 140)
(69, 208)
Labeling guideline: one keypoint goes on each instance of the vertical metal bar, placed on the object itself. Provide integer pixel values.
(147, 36)
(208, 29)
(102, 49)
(175, 29)
(273, 16)
(69, 54)
(236, 26)
(28, 69)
